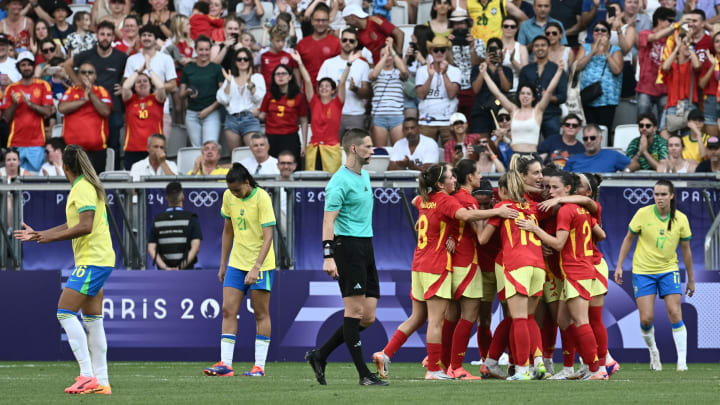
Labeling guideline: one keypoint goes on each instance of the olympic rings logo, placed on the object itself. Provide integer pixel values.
(387, 195)
(203, 198)
(638, 195)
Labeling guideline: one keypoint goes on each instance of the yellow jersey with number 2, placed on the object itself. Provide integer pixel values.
(95, 248)
(656, 250)
(249, 216)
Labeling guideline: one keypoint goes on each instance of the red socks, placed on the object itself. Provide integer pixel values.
(587, 346)
(484, 339)
(598, 327)
(568, 345)
(397, 340)
(460, 340)
(521, 337)
(549, 336)
(447, 334)
(434, 351)
(535, 338)
(500, 340)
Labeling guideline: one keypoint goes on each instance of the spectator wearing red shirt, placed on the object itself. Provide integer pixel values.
(321, 45)
(652, 96)
(129, 44)
(281, 109)
(27, 103)
(144, 97)
(86, 109)
(372, 31)
(275, 56)
(681, 72)
(709, 84)
(323, 152)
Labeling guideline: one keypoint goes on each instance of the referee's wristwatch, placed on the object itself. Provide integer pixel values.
(328, 251)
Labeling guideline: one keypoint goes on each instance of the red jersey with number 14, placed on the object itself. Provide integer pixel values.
(520, 248)
(466, 246)
(431, 255)
(576, 256)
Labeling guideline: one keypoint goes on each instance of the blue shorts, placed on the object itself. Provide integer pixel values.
(242, 123)
(411, 103)
(88, 280)
(710, 110)
(236, 278)
(31, 157)
(388, 121)
(671, 110)
(663, 283)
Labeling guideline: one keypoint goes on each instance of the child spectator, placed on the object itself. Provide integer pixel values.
(82, 39)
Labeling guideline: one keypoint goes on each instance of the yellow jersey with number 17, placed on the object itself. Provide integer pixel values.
(656, 250)
(95, 248)
(487, 19)
(249, 216)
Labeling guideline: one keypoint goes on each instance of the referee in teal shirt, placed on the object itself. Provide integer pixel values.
(349, 257)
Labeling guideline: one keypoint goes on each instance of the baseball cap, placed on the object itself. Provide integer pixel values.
(713, 142)
(5, 39)
(503, 111)
(355, 10)
(26, 55)
(457, 117)
(696, 115)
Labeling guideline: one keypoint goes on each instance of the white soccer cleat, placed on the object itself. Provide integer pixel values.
(437, 375)
(682, 367)
(563, 374)
(549, 367)
(655, 364)
(580, 373)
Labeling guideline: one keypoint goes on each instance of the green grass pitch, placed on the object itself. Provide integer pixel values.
(173, 383)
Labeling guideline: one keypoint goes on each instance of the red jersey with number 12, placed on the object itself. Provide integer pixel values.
(576, 256)
(520, 248)
(436, 215)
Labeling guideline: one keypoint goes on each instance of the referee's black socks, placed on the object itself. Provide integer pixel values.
(334, 341)
(351, 332)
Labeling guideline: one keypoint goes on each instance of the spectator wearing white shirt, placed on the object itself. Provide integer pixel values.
(438, 84)
(388, 79)
(260, 162)
(414, 152)
(241, 95)
(156, 163)
(357, 86)
(53, 165)
(8, 69)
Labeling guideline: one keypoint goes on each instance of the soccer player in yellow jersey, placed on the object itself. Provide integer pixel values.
(487, 16)
(87, 227)
(660, 228)
(249, 222)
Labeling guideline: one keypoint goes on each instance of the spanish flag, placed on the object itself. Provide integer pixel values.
(667, 50)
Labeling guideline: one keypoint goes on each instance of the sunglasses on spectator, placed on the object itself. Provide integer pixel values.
(502, 118)
(571, 125)
(46, 50)
(86, 72)
(509, 26)
(348, 41)
(286, 163)
(641, 125)
(439, 50)
(600, 29)
(552, 33)
(243, 59)
(281, 73)
(589, 138)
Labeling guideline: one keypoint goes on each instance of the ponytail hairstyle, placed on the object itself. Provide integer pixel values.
(568, 179)
(671, 187)
(240, 174)
(520, 163)
(429, 179)
(593, 181)
(463, 168)
(76, 161)
(513, 183)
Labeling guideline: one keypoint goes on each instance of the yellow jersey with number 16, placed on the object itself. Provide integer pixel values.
(656, 250)
(249, 216)
(95, 248)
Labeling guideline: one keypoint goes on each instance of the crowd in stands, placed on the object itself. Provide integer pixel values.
(587, 85)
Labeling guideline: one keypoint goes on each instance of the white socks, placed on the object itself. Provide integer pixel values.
(648, 335)
(227, 347)
(608, 359)
(491, 362)
(680, 337)
(98, 347)
(77, 340)
(262, 344)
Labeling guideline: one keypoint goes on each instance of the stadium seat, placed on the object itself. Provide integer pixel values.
(257, 33)
(407, 29)
(57, 131)
(240, 153)
(268, 8)
(78, 7)
(116, 175)
(178, 139)
(399, 13)
(378, 163)
(423, 15)
(441, 154)
(186, 158)
(624, 134)
(109, 159)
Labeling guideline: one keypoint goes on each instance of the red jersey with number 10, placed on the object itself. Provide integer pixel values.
(466, 247)
(520, 248)
(576, 256)
(143, 117)
(436, 215)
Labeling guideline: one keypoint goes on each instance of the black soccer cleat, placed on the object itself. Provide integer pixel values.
(372, 379)
(317, 365)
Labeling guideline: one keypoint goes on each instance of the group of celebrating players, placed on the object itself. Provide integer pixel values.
(535, 247)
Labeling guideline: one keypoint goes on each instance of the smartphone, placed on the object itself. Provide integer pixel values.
(611, 12)
(478, 148)
(236, 37)
(458, 148)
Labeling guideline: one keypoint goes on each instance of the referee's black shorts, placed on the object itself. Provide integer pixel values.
(355, 262)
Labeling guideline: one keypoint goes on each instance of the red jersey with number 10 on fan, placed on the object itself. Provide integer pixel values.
(577, 254)
(465, 248)
(431, 255)
(520, 248)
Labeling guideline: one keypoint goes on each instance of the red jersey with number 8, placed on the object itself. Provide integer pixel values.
(577, 254)
(520, 248)
(436, 216)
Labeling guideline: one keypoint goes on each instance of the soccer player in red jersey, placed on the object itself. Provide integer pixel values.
(432, 265)
(86, 110)
(27, 103)
(573, 240)
(143, 112)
